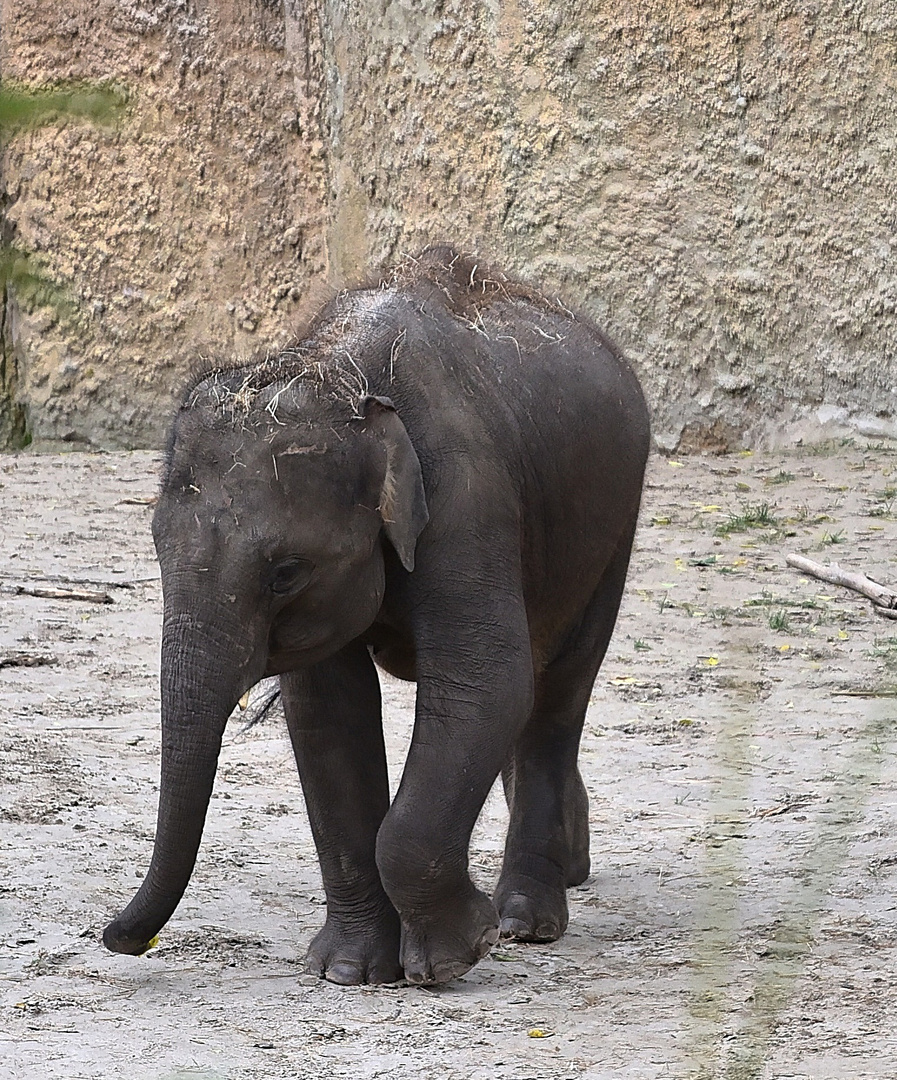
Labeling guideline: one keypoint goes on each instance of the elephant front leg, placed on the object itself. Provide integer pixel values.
(470, 710)
(333, 715)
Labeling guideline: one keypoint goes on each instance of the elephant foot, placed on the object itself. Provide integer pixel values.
(350, 957)
(439, 950)
(530, 910)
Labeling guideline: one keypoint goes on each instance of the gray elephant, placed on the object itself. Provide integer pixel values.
(443, 477)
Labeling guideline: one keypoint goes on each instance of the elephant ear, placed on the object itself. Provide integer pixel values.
(403, 504)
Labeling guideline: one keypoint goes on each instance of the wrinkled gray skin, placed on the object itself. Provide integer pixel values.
(442, 477)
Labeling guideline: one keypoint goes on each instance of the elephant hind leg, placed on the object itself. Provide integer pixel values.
(547, 848)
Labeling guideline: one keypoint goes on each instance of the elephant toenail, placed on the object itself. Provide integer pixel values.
(512, 928)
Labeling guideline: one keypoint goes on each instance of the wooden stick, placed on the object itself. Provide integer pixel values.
(23, 659)
(104, 583)
(48, 593)
(864, 693)
(834, 575)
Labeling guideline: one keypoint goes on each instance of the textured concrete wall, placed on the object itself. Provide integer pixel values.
(715, 183)
(190, 230)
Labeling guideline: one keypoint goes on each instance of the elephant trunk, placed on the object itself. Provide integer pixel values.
(203, 676)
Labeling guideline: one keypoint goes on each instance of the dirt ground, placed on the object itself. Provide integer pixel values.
(739, 753)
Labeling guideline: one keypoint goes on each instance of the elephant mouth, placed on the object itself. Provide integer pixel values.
(290, 647)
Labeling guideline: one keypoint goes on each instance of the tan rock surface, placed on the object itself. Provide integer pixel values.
(714, 183)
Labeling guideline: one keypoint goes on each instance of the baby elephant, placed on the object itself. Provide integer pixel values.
(443, 478)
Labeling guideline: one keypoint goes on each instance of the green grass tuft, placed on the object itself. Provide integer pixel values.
(752, 516)
(781, 477)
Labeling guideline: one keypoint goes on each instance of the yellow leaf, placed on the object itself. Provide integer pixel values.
(711, 661)
(712, 508)
(676, 464)
(784, 648)
(842, 635)
(151, 944)
(746, 453)
(739, 562)
(661, 520)
(680, 565)
(539, 1033)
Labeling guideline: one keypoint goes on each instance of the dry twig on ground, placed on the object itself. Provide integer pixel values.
(884, 601)
(47, 592)
(23, 659)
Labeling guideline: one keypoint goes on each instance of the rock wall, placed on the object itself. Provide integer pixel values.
(190, 229)
(715, 183)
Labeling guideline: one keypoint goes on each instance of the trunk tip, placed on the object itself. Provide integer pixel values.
(118, 940)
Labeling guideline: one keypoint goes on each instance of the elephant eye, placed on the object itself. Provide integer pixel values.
(290, 575)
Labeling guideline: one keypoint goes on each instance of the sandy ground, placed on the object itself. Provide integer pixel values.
(739, 753)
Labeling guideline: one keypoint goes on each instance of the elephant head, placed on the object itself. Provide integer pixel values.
(269, 532)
